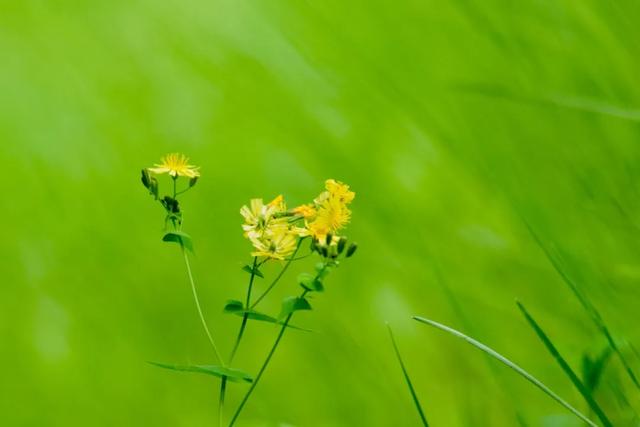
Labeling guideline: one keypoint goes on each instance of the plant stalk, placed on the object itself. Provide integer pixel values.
(197, 301)
(264, 366)
(279, 276)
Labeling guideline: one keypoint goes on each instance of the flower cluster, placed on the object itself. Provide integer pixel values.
(275, 231)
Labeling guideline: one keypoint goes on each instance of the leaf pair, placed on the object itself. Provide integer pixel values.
(251, 270)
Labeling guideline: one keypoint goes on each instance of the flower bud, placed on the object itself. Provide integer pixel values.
(342, 243)
(333, 252)
(352, 249)
(146, 179)
(324, 251)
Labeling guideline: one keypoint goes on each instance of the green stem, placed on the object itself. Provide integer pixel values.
(263, 367)
(407, 379)
(243, 325)
(279, 276)
(223, 389)
(175, 180)
(195, 297)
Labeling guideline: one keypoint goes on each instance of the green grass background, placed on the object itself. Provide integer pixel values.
(455, 122)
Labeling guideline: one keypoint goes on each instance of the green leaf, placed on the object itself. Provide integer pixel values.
(293, 304)
(310, 282)
(236, 307)
(233, 306)
(217, 371)
(256, 315)
(183, 239)
(323, 269)
(250, 270)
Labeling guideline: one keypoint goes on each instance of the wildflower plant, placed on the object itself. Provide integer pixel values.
(276, 234)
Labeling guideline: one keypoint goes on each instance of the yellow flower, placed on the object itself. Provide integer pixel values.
(339, 191)
(278, 204)
(176, 164)
(260, 219)
(332, 216)
(278, 246)
(305, 211)
(332, 211)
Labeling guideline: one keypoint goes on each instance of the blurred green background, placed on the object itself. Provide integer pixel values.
(456, 123)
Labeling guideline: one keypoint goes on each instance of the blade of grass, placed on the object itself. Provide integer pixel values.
(470, 326)
(565, 367)
(408, 379)
(533, 380)
(585, 302)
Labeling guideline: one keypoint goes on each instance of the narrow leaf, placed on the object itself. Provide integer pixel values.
(236, 307)
(408, 379)
(183, 239)
(217, 371)
(533, 380)
(256, 315)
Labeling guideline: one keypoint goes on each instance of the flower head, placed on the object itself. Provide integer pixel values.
(339, 191)
(281, 244)
(305, 211)
(176, 164)
(332, 211)
(262, 220)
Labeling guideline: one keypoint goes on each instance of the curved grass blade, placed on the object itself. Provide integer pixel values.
(217, 371)
(406, 377)
(470, 326)
(565, 367)
(533, 380)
